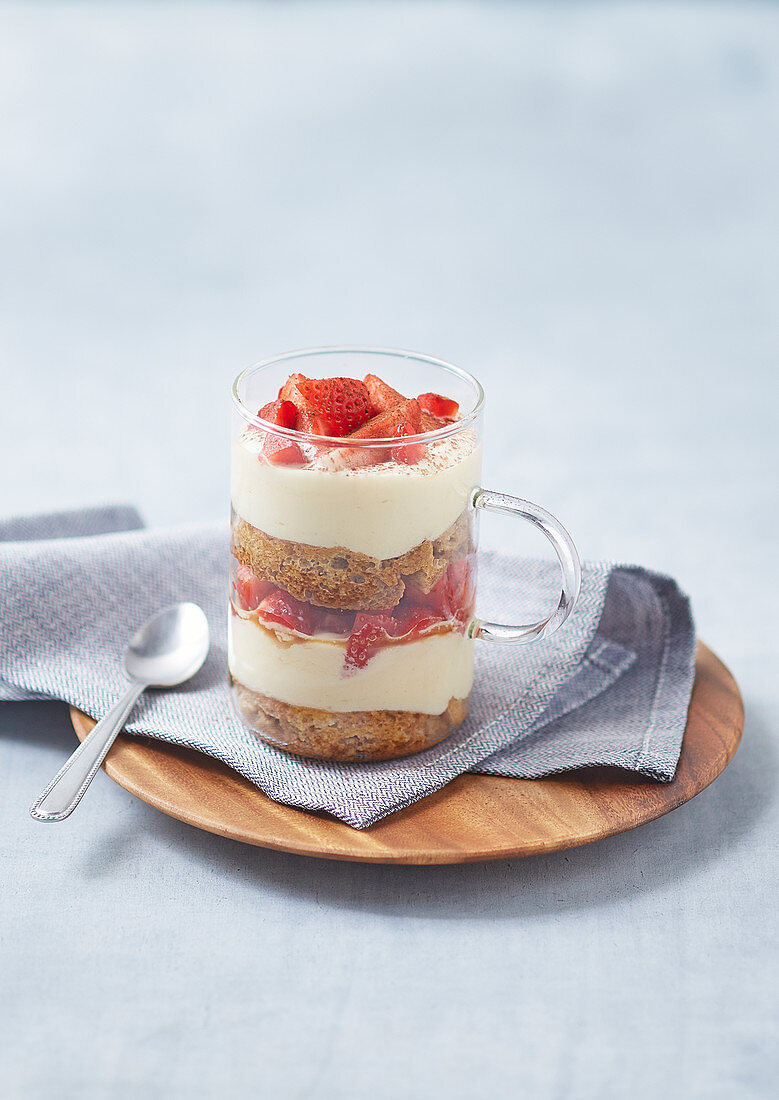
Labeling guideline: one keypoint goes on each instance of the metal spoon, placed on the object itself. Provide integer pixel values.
(166, 651)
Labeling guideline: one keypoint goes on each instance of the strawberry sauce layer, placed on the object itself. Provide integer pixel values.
(448, 606)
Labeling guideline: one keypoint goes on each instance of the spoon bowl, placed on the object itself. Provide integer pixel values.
(169, 648)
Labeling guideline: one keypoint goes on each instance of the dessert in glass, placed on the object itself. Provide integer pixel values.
(355, 497)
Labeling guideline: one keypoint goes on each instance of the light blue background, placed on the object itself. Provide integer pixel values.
(580, 203)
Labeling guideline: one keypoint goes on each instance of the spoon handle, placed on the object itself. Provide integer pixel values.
(67, 787)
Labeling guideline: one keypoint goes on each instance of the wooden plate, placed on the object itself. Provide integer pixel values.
(474, 818)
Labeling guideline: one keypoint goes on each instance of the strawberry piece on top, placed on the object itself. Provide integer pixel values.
(282, 452)
(386, 424)
(318, 425)
(383, 426)
(383, 397)
(436, 405)
(290, 392)
(407, 453)
(343, 401)
(283, 413)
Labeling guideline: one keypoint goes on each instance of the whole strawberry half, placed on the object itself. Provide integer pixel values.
(343, 402)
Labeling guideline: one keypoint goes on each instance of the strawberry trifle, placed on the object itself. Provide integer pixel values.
(353, 565)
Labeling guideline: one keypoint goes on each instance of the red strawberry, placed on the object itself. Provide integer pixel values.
(382, 396)
(290, 392)
(408, 453)
(281, 608)
(369, 634)
(383, 426)
(334, 622)
(282, 452)
(283, 413)
(318, 425)
(435, 599)
(439, 406)
(386, 424)
(345, 401)
(451, 597)
(460, 589)
(415, 621)
(249, 590)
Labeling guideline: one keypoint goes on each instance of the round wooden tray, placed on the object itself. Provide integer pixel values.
(476, 817)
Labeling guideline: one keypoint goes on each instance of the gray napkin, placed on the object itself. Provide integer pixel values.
(611, 687)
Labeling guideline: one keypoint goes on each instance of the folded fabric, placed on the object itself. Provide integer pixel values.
(611, 687)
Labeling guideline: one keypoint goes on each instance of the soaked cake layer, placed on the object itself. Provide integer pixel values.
(341, 578)
(355, 736)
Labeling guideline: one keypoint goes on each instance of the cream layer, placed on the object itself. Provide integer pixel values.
(420, 676)
(383, 511)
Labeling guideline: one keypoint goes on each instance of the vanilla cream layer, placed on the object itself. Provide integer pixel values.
(382, 511)
(421, 676)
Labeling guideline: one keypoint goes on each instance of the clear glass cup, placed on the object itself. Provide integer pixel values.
(352, 622)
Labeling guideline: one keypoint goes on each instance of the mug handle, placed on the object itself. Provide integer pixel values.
(567, 556)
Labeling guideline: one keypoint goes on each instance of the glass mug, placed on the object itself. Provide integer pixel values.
(352, 626)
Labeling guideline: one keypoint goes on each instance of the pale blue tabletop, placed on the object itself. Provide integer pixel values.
(580, 203)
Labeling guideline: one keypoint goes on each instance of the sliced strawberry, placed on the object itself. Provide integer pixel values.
(408, 453)
(451, 597)
(334, 622)
(281, 452)
(281, 608)
(369, 634)
(283, 413)
(290, 391)
(386, 424)
(435, 600)
(249, 590)
(318, 425)
(439, 406)
(383, 426)
(415, 621)
(382, 396)
(459, 579)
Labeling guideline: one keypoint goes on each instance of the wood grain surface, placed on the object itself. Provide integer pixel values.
(473, 818)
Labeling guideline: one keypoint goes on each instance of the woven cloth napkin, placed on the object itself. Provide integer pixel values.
(611, 687)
